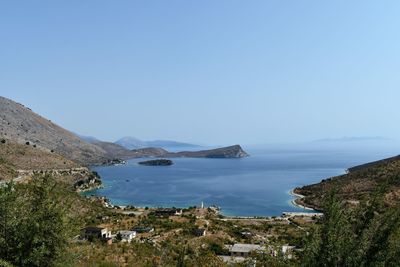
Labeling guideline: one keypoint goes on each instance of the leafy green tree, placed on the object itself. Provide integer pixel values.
(9, 210)
(35, 226)
(5, 264)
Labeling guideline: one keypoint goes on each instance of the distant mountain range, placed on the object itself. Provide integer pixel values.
(354, 139)
(129, 142)
(171, 144)
(20, 125)
(134, 143)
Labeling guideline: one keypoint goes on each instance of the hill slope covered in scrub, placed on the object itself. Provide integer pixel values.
(358, 184)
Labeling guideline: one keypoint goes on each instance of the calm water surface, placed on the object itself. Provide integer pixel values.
(258, 185)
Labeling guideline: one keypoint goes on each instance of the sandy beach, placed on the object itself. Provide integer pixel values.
(298, 196)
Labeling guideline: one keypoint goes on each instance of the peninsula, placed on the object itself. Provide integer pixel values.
(20, 125)
(361, 182)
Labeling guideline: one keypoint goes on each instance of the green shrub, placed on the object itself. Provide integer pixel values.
(35, 226)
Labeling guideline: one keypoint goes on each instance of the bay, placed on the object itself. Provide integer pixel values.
(258, 185)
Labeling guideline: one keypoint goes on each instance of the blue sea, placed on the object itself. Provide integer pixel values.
(258, 185)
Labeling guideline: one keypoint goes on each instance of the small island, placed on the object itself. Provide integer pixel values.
(157, 162)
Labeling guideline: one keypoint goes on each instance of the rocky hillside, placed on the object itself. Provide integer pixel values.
(22, 162)
(114, 151)
(372, 164)
(359, 183)
(28, 157)
(149, 152)
(21, 125)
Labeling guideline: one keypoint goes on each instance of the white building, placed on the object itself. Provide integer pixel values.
(95, 232)
(244, 250)
(126, 236)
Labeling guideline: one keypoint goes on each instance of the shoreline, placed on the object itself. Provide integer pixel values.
(221, 213)
(92, 188)
(86, 193)
(296, 197)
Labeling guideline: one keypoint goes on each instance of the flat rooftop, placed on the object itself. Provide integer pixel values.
(246, 248)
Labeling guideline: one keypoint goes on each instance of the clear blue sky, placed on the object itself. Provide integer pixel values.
(216, 72)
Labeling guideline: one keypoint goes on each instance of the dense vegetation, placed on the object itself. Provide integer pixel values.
(364, 235)
(7, 170)
(39, 219)
(35, 226)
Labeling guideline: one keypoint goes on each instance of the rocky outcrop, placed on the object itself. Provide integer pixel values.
(80, 178)
(90, 182)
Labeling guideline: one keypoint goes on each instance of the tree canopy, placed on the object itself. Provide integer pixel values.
(34, 223)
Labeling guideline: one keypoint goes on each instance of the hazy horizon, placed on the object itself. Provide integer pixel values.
(210, 72)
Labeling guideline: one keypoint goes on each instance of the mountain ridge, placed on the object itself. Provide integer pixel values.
(130, 143)
(21, 125)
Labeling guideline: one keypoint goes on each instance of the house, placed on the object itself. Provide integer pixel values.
(126, 236)
(166, 212)
(200, 232)
(244, 250)
(95, 232)
(143, 229)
